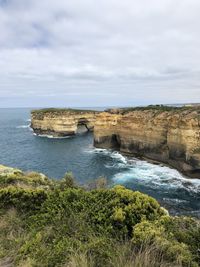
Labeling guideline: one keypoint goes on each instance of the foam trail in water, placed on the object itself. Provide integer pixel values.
(51, 136)
(23, 126)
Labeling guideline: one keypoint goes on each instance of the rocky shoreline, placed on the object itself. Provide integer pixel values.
(163, 134)
(170, 136)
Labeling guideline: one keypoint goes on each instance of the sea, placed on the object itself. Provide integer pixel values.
(20, 148)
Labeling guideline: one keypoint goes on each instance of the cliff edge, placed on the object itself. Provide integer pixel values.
(165, 134)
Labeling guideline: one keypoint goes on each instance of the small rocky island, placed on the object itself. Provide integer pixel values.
(61, 122)
(170, 135)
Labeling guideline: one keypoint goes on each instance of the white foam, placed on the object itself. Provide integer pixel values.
(118, 156)
(175, 200)
(156, 176)
(193, 212)
(113, 154)
(145, 173)
(23, 126)
(51, 136)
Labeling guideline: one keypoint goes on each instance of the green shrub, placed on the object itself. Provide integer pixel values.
(99, 183)
(68, 181)
(24, 180)
(185, 230)
(23, 200)
(163, 236)
(117, 210)
(112, 212)
(59, 224)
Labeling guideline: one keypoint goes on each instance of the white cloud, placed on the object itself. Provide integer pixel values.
(110, 51)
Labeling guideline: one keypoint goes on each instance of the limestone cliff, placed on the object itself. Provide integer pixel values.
(61, 122)
(170, 135)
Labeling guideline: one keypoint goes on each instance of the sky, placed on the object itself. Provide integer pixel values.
(87, 53)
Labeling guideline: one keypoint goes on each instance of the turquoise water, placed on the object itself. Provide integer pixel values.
(19, 147)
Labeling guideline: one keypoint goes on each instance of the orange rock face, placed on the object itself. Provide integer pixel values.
(61, 122)
(171, 137)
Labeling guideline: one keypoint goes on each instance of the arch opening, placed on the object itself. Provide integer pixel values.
(82, 126)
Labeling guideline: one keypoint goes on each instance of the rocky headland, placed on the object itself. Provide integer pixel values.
(165, 134)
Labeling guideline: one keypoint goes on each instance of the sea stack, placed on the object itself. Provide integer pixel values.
(61, 122)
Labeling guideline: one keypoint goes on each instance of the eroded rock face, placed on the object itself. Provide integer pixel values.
(168, 136)
(61, 122)
(171, 137)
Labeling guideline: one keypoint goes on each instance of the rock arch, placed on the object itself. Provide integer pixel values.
(62, 122)
(83, 125)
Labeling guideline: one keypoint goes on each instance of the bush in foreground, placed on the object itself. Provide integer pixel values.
(64, 225)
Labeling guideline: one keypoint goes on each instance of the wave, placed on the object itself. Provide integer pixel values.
(193, 213)
(144, 173)
(156, 176)
(23, 126)
(174, 200)
(113, 154)
(51, 136)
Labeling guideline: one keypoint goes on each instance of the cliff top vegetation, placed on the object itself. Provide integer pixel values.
(46, 222)
(61, 110)
(160, 108)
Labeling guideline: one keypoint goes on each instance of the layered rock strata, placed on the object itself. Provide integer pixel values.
(61, 122)
(168, 136)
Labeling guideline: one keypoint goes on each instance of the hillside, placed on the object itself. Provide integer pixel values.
(57, 223)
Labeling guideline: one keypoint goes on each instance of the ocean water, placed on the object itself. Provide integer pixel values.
(20, 148)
